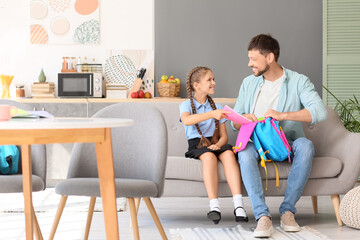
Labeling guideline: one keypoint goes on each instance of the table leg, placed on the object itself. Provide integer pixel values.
(106, 173)
(27, 189)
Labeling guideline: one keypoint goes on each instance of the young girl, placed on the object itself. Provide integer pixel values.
(207, 137)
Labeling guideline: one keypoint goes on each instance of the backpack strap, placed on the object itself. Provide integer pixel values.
(264, 159)
(277, 173)
(261, 152)
(282, 137)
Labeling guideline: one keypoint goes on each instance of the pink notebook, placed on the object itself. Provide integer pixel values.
(235, 117)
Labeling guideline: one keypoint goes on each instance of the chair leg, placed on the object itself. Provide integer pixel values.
(58, 216)
(133, 215)
(36, 227)
(137, 204)
(315, 204)
(336, 204)
(89, 217)
(155, 217)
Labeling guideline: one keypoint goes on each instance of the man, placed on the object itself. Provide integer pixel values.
(289, 97)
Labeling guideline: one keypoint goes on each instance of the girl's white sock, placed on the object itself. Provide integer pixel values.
(214, 205)
(239, 205)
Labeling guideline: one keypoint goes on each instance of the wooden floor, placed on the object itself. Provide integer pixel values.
(173, 212)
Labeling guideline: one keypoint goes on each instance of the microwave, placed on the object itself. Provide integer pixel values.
(81, 85)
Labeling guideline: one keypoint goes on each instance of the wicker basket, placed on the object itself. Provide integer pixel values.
(168, 89)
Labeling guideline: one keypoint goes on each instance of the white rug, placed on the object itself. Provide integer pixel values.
(240, 233)
(48, 200)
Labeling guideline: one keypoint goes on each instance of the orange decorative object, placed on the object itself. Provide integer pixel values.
(5, 84)
(38, 34)
(86, 7)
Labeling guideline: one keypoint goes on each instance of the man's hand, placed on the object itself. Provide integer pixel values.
(279, 116)
(250, 116)
(214, 147)
(219, 114)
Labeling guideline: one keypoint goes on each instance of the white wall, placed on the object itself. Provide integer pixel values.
(124, 24)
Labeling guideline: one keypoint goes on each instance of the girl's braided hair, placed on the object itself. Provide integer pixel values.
(194, 76)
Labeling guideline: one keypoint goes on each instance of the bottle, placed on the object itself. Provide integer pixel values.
(78, 65)
(68, 63)
(73, 63)
(64, 63)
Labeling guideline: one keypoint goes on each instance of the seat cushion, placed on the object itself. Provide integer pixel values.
(323, 167)
(91, 187)
(14, 183)
(191, 169)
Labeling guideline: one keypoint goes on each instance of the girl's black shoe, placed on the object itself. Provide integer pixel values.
(215, 216)
(240, 218)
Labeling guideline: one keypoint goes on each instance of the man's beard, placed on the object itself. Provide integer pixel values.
(261, 72)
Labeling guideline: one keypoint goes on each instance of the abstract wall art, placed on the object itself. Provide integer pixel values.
(64, 22)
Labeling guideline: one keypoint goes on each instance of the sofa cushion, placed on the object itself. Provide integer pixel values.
(191, 169)
(323, 167)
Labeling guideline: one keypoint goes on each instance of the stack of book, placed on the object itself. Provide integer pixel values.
(43, 90)
(116, 91)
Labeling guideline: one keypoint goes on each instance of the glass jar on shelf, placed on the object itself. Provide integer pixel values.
(20, 90)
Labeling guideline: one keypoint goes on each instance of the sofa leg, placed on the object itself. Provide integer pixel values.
(336, 203)
(315, 204)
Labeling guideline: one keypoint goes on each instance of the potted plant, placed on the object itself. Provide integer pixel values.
(349, 112)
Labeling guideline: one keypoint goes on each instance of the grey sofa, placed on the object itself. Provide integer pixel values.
(335, 170)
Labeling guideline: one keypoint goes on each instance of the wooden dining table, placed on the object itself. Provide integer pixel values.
(25, 132)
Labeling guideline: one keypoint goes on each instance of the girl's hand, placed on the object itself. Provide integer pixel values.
(219, 114)
(250, 116)
(214, 147)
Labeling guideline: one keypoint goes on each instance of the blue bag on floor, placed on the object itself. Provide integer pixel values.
(9, 159)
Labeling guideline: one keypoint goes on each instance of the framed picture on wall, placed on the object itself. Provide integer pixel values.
(64, 22)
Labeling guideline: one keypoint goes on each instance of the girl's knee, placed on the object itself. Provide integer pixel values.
(208, 156)
(227, 154)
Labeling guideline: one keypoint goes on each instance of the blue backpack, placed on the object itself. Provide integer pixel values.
(268, 135)
(9, 159)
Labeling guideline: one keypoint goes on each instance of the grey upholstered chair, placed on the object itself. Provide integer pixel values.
(14, 183)
(139, 153)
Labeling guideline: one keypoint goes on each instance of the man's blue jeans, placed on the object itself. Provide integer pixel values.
(303, 153)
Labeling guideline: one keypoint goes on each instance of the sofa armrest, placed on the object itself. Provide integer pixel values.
(332, 139)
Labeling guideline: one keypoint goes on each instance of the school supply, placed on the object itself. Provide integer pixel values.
(20, 113)
(9, 159)
(234, 116)
(269, 139)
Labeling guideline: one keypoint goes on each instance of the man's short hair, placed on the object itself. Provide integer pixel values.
(266, 44)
